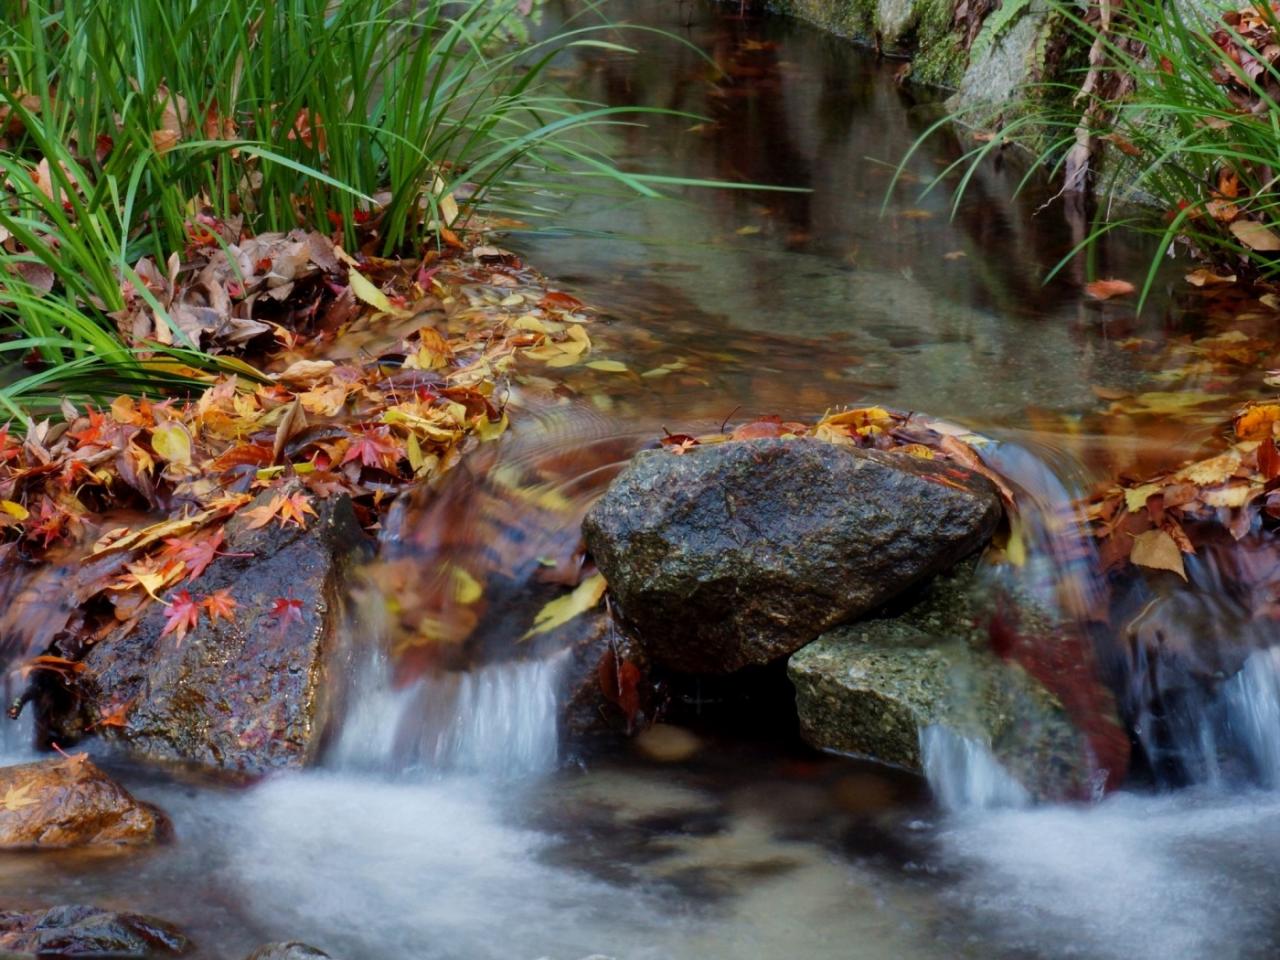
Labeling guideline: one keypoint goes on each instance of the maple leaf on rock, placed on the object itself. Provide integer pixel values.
(182, 615)
(286, 610)
(220, 605)
(196, 552)
(291, 508)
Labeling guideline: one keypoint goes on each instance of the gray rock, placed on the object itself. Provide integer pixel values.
(870, 688)
(292, 950)
(739, 553)
(252, 693)
(82, 931)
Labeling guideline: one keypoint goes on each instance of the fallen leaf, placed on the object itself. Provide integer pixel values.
(1106, 289)
(370, 294)
(1158, 550)
(1255, 236)
(182, 615)
(563, 609)
(15, 798)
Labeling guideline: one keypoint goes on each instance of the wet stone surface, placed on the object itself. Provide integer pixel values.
(60, 803)
(739, 553)
(83, 931)
(247, 694)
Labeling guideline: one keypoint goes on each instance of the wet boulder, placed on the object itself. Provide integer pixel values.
(737, 554)
(60, 803)
(82, 931)
(292, 950)
(250, 692)
(882, 687)
(607, 685)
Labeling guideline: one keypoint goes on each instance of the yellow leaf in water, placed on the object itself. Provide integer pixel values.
(1136, 498)
(1157, 550)
(487, 429)
(366, 291)
(172, 443)
(563, 609)
(466, 588)
(1208, 473)
(608, 366)
(748, 231)
(15, 510)
(564, 360)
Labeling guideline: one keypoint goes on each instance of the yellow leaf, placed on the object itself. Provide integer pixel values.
(563, 609)
(466, 588)
(487, 429)
(1257, 421)
(172, 443)
(366, 291)
(1255, 236)
(15, 510)
(1157, 550)
(608, 366)
(16, 798)
(1136, 498)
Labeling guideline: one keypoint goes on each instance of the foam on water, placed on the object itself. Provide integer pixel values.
(964, 775)
(1183, 875)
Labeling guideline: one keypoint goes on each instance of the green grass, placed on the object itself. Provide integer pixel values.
(127, 118)
(1165, 143)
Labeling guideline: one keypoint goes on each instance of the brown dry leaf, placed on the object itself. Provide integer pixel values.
(1157, 550)
(1106, 289)
(1255, 236)
(1203, 277)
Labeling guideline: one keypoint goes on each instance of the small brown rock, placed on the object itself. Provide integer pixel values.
(53, 804)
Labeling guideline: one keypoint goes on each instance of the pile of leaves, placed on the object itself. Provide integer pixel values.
(1159, 521)
(379, 375)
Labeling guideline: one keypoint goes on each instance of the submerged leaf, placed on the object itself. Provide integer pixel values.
(563, 609)
(1158, 550)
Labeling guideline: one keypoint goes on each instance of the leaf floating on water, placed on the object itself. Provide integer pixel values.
(563, 609)
(1203, 277)
(1106, 289)
(1158, 550)
(1255, 236)
(608, 366)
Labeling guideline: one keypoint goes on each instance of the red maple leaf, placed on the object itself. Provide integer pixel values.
(374, 448)
(286, 610)
(196, 552)
(92, 433)
(183, 614)
(220, 605)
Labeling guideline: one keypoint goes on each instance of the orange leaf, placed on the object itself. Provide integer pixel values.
(1106, 289)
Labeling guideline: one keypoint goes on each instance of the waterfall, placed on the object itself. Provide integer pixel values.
(1251, 704)
(498, 720)
(963, 774)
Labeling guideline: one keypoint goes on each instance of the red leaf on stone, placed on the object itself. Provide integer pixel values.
(182, 615)
(286, 610)
(220, 605)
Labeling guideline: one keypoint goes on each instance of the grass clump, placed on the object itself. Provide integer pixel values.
(135, 128)
(1177, 108)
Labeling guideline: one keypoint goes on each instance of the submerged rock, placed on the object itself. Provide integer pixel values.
(872, 688)
(80, 931)
(250, 693)
(739, 553)
(61, 803)
(293, 950)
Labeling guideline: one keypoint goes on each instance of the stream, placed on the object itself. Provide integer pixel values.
(444, 824)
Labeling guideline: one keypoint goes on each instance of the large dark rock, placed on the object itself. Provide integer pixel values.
(740, 553)
(251, 693)
(877, 687)
(60, 803)
(79, 931)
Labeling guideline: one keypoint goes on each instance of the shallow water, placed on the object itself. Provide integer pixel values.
(441, 826)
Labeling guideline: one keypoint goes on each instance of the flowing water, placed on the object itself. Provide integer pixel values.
(443, 824)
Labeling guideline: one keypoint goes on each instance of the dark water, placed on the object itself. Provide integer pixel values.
(449, 832)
